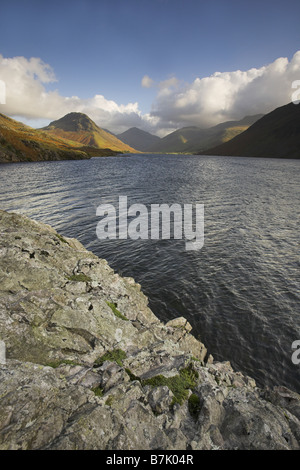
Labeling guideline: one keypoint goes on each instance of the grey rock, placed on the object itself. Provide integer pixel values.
(2, 353)
(110, 375)
(180, 323)
(251, 423)
(80, 375)
(56, 321)
(177, 438)
(285, 398)
(160, 399)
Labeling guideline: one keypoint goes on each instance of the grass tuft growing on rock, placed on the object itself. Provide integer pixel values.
(179, 384)
(116, 311)
(79, 278)
(117, 355)
(194, 406)
(109, 401)
(62, 239)
(97, 391)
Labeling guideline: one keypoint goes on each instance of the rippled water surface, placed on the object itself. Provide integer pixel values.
(240, 292)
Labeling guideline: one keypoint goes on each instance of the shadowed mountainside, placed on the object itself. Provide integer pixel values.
(191, 139)
(139, 139)
(277, 134)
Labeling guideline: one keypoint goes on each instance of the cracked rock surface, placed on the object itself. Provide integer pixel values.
(89, 366)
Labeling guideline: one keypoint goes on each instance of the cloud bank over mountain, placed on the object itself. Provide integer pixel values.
(228, 95)
(27, 96)
(205, 102)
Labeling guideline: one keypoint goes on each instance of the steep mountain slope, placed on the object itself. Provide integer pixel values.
(139, 139)
(277, 134)
(22, 143)
(193, 139)
(79, 127)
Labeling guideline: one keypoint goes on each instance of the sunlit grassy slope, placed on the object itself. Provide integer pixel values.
(19, 142)
(232, 132)
(78, 127)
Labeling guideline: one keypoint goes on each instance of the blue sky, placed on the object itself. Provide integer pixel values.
(100, 47)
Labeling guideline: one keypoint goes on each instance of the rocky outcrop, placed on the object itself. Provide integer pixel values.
(89, 366)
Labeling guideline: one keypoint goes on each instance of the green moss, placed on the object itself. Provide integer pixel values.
(117, 355)
(179, 384)
(194, 406)
(116, 311)
(109, 401)
(98, 391)
(193, 358)
(62, 239)
(79, 278)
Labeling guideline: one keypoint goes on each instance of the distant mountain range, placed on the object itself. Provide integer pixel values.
(139, 139)
(277, 134)
(187, 139)
(80, 128)
(76, 136)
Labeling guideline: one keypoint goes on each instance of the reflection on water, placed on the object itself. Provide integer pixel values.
(240, 292)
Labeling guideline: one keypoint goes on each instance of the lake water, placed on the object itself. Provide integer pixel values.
(240, 292)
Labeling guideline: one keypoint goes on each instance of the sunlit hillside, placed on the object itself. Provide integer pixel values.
(78, 127)
(19, 142)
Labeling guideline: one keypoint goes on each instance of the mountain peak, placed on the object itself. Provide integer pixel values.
(74, 122)
(139, 139)
(79, 127)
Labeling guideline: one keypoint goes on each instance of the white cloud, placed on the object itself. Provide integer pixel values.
(147, 82)
(172, 82)
(27, 97)
(205, 102)
(228, 95)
